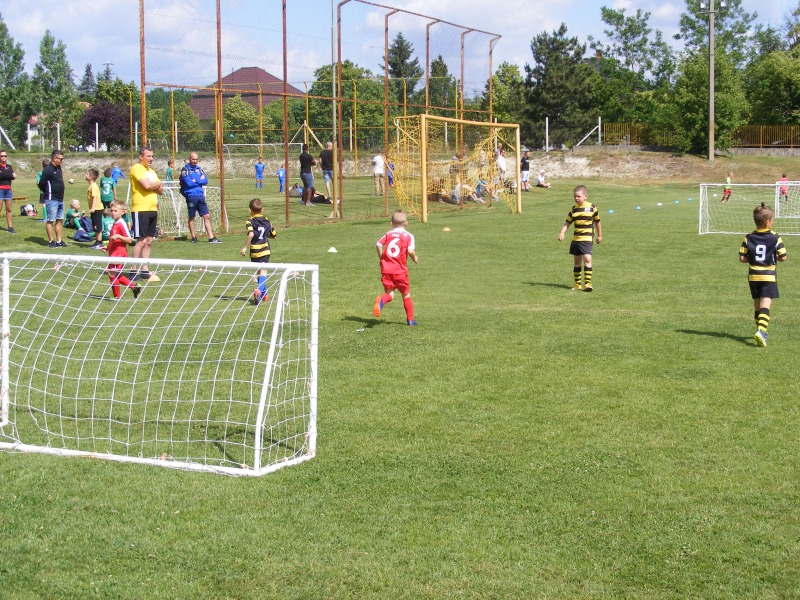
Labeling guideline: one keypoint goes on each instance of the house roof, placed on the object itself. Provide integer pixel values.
(245, 82)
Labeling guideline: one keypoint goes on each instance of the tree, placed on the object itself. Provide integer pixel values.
(507, 91)
(114, 125)
(732, 28)
(190, 134)
(442, 91)
(106, 74)
(792, 27)
(773, 87)
(15, 90)
(560, 86)
(53, 86)
(87, 87)
(239, 121)
(401, 67)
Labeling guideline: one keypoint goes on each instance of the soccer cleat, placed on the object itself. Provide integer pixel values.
(411, 323)
(194, 240)
(259, 296)
(61, 244)
(52, 244)
(761, 338)
(588, 287)
(215, 240)
(376, 308)
(136, 291)
(576, 287)
(11, 230)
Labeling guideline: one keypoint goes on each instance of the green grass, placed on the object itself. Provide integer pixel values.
(523, 441)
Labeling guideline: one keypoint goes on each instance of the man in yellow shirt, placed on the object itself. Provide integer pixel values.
(146, 188)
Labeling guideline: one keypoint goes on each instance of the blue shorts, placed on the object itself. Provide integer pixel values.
(6, 195)
(327, 176)
(196, 205)
(308, 180)
(55, 210)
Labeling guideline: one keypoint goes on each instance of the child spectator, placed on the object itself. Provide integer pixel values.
(72, 220)
(259, 232)
(108, 223)
(540, 182)
(393, 249)
(762, 249)
(390, 174)
(108, 189)
(281, 175)
(95, 207)
(585, 218)
(170, 172)
(118, 241)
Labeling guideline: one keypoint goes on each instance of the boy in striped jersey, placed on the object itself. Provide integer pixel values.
(762, 249)
(586, 219)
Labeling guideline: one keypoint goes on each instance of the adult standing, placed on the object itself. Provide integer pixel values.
(377, 172)
(501, 164)
(51, 184)
(146, 188)
(326, 162)
(193, 187)
(525, 171)
(6, 195)
(306, 162)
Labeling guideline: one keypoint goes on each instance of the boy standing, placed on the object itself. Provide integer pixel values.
(585, 218)
(763, 249)
(258, 173)
(783, 192)
(169, 174)
(108, 189)
(393, 248)
(95, 208)
(377, 172)
(525, 171)
(281, 175)
(118, 242)
(259, 231)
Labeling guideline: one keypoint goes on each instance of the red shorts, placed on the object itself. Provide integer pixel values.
(395, 281)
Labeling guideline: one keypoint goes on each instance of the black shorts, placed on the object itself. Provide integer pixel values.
(260, 259)
(580, 248)
(97, 221)
(143, 224)
(764, 289)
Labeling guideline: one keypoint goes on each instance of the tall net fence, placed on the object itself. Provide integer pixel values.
(258, 78)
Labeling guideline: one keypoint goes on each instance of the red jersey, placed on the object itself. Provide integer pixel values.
(396, 244)
(118, 247)
(784, 188)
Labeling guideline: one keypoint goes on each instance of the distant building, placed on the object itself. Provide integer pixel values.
(244, 82)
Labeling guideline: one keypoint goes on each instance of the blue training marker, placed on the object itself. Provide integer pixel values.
(611, 211)
(638, 208)
(688, 199)
(677, 201)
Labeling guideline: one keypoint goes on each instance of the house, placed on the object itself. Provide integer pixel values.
(245, 82)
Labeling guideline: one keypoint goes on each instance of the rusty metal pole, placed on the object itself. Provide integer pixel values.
(340, 150)
(428, 64)
(285, 118)
(492, 42)
(143, 98)
(386, 110)
(219, 117)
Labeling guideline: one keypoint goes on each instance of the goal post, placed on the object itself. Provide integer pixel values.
(173, 215)
(735, 215)
(445, 163)
(190, 374)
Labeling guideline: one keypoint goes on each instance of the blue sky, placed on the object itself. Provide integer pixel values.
(110, 34)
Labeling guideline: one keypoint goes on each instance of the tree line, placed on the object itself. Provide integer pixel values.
(633, 75)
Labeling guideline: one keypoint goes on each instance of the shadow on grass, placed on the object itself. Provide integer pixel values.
(367, 323)
(747, 341)
(39, 241)
(561, 286)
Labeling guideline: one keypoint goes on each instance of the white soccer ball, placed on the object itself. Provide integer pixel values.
(72, 181)
(715, 195)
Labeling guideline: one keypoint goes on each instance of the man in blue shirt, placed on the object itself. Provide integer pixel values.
(193, 183)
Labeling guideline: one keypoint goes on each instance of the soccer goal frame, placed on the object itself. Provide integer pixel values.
(230, 151)
(436, 156)
(735, 215)
(226, 386)
(173, 215)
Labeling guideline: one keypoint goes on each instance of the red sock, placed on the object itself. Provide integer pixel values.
(116, 279)
(408, 304)
(386, 298)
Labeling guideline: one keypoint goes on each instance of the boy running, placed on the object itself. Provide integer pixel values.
(259, 231)
(393, 248)
(763, 249)
(586, 218)
(118, 241)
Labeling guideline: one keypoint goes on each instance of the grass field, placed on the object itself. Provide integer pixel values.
(524, 441)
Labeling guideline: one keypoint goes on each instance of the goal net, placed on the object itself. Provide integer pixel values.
(240, 158)
(173, 216)
(442, 163)
(191, 374)
(735, 214)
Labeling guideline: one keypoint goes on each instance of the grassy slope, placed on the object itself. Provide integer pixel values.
(524, 441)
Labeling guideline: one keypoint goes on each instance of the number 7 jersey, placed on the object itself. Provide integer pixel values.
(395, 245)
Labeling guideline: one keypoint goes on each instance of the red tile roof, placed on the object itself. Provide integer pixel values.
(245, 82)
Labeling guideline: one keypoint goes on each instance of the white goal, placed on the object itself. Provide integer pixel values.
(735, 215)
(173, 216)
(191, 374)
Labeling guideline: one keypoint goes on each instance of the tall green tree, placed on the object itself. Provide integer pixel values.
(792, 27)
(733, 28)
(16, 99)
(507, 92)
(239, 121)
(87, 88)
(773, 88)
(402, 68)
(190, 135)
(442, 89)
(560, 86)
(53, 87)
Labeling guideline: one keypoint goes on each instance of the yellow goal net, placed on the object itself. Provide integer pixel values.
(442, 163)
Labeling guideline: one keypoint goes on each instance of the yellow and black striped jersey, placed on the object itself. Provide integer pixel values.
(262, 230)
(583, 218)
(762, 248)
